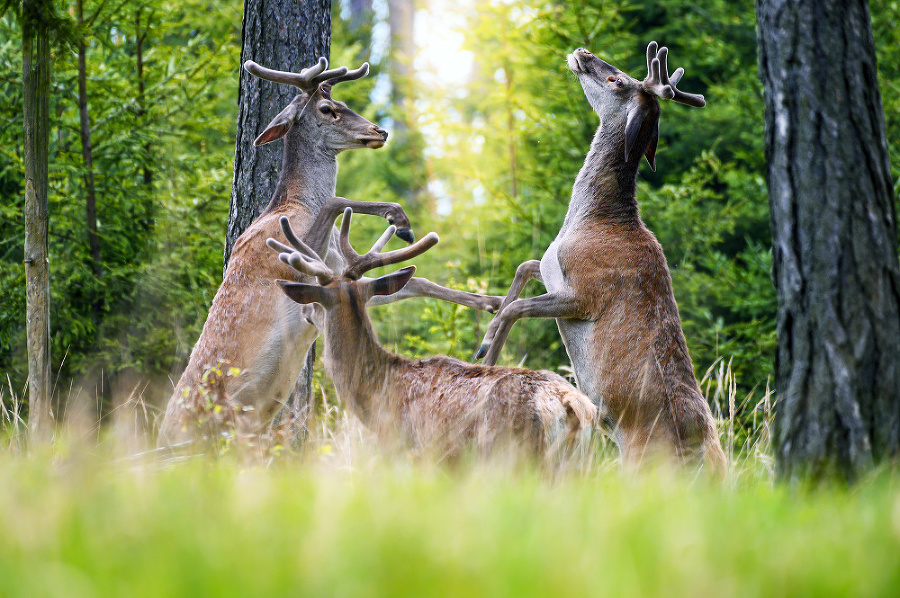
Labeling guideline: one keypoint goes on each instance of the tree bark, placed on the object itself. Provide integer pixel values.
(834, 240)
(90, 192)
(140, 36)
(287, 35)
(36, 78)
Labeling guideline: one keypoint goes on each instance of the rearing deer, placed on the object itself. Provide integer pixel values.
(608, 285)
(250, 323)
(437, 403)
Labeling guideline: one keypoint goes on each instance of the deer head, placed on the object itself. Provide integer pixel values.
(346, 289)
(321, 117)
(615, 96)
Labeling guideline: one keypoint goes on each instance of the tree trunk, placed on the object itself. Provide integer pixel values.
(287, 35)
(90, 193)
(140, 36)
(401, 19)
(834, 240)
(36, 77)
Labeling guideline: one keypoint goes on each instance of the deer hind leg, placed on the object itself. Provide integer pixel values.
(526, 271)
(561, 304)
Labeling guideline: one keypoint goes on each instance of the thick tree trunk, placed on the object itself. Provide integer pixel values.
(36, 77)
(287, 35)
(835, 245)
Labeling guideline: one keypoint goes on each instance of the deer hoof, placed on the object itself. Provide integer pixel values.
(407, 235)
(482, 350)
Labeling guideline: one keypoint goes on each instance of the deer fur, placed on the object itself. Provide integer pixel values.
(608, 284)
(437, 404)
(251, 325)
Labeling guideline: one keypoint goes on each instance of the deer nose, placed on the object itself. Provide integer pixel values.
(382, 132)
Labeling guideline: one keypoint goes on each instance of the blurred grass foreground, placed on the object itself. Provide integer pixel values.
(341, 522)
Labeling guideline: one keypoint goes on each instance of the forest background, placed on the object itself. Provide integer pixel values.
(488, 130)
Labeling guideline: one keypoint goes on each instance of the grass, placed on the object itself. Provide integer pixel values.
(80, 525)
(341, 518)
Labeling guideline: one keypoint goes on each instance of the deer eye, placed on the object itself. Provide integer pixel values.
(326, 110)
(618, 82)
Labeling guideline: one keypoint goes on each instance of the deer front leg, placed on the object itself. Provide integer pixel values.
(422, 287)
(320, 231)
(562, 304)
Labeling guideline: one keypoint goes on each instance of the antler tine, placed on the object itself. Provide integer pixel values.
(370, 261)
(344, 239)
(659, 83)
(300, 257)
(383, 239)
(296, 241)
(357, 265)
(353, 75)
(301, 263)
(306, 80)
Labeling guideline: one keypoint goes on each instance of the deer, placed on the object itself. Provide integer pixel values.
(251, 325)
(608, 284)
(437, 404)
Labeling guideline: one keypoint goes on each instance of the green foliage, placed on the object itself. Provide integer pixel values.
(488, 164)
(162, 149)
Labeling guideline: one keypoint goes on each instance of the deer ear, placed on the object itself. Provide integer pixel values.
(651, 149)
(391, 283)
(279, 126)
(633, 128)
(307, 293)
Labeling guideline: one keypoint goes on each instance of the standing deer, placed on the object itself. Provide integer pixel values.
(250, 324)
(608, 285)
(438, 403)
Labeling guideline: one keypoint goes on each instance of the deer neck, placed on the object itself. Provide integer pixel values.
(308, 173)
(606, 186)
(359, 366)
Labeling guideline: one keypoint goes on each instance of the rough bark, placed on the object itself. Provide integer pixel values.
(834, 239)
(286, 35)
(36, 77)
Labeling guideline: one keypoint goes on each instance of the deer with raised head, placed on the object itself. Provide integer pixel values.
(251, 324)
(437, 404)
(608, 284)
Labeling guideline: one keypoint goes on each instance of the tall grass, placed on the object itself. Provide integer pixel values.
(341, 517)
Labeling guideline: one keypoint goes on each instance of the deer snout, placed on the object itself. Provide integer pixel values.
(374, 137)
(581, 61)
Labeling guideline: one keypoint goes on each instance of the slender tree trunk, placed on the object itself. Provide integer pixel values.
(142, 110)
(834, 239)
(401, 18)
(90, 193)
(360, 13)
(36, 76)
(287, 35)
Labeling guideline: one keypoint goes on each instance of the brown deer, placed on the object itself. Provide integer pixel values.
(608, 284)
(250, 324)
(436, 404)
